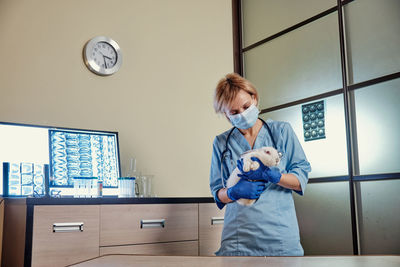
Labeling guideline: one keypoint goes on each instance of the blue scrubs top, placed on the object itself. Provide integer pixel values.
(269, 226)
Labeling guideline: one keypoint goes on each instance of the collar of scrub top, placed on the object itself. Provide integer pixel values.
(223, 155)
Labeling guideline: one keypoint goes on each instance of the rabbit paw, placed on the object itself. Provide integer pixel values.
(254, 165)
(247, 165)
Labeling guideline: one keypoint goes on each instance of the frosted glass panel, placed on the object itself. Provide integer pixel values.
(300, 64)
(324, 219)
(378, 123)
(263, 18)
(373, 30)
(379, 210)
(328, 157)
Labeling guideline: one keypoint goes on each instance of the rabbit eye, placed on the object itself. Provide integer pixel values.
(268, 152)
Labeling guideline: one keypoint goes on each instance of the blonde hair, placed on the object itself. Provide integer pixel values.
(227, 89)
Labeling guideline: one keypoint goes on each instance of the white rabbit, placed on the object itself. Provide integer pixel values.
(267, 155)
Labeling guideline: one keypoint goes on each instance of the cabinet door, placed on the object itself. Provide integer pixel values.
(147, 223)
(184, 248)
(64, 235)
(211, 223)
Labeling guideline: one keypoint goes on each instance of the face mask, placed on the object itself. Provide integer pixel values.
(246, 119)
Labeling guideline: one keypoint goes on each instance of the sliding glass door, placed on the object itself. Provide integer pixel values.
(347, 55)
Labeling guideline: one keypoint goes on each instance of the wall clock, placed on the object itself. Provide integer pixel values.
(102, 55)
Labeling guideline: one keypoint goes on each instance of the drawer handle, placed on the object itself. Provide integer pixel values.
(217, 220)
(152, 223)
(67, 227)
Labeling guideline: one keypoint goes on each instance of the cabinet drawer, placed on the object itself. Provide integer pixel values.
(184, 248)
(210, 228)
(64, 235)
(147, 223)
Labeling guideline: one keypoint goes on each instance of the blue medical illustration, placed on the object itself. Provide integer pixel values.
(81, 154)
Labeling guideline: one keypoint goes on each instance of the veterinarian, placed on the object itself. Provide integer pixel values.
(269, 226)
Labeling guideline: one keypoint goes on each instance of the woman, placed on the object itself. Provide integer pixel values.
(269, 226)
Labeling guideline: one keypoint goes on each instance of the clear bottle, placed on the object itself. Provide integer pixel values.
(134, 174)
(131, 172)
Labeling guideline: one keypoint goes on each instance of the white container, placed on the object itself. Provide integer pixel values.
(79, 186)
(85, 187)
(126, 186)
(92, 184)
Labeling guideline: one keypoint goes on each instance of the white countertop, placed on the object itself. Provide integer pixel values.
(311, 261)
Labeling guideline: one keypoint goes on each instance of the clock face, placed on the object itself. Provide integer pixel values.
(102, 55)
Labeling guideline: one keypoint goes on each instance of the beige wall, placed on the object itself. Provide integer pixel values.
(160, 101)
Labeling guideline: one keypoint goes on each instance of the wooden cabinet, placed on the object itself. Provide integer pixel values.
(211, 222)
(60, 232)
(64, 235)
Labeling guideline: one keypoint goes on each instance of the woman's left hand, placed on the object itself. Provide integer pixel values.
(263, 173)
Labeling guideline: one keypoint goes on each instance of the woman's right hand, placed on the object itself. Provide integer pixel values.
(246, 189)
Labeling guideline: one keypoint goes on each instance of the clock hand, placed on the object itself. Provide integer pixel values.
(105, 64)
(105, 55)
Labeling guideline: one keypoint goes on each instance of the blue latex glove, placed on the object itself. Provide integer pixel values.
(246, 189)
(263, 173)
